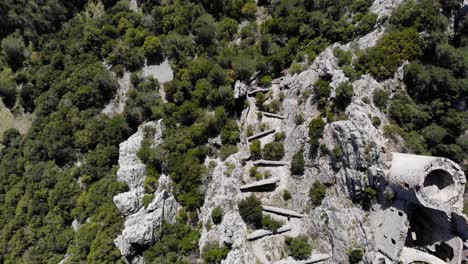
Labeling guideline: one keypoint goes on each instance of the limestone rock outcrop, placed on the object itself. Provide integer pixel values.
(141, 223)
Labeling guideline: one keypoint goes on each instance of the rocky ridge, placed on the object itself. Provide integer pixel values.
(336, 225)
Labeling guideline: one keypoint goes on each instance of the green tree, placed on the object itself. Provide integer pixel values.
(316, 127)
(255, 149)
(212, 253)
(204, 29)
(14, 50)
(344, 94)
(273, 151)
(8, 92)
(226, 28)
(297, 163)
(380, 98)
(152, 48)
(251, 211)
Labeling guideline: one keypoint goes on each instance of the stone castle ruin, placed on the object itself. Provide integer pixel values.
(424, 223)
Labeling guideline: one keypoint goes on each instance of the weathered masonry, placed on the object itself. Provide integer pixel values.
(425, 222)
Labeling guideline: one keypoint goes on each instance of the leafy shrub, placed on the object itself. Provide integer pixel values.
(299, 247)
(212, 253)
(8, 93)
(297, 163)
(344, 57)
(251, 211)
(344, 93)
(266, 80)
(369, 197)
(281, 136)
(178, 241)
(151, 183)
(322, 91)
(273, 107)
(376, 121)
(230, 132)
(299, 119)
(273, 151)
(227, 150)
(255, 149)
(316, 127)
(317, 192)
(271, 224)
(204, 29)
(296, 68)
(355, 255)
(147, 199)
(286, 195)
(226, 28)
(380, 98)
(217, 215)
(15, 51)
(337, 152)
(392, 50)
(152, 48)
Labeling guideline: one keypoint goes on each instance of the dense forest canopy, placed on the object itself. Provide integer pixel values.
(60, 60)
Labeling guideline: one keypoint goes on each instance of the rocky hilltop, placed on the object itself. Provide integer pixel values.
(355, 152)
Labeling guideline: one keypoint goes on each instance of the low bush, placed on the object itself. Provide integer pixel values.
(355, 255)
(271, 224)
(273, 151)
(251, 211)
(317, 192)
(255, 150)
(217, 215)
(212, 253)
(299, 247)
(297, 163)
(147, 199)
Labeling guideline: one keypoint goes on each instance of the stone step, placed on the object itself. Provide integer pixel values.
(268, 114)
(281, 211)
(261, 134)
(263, 233)
(271, 182)
(266, 163)
(257, 90)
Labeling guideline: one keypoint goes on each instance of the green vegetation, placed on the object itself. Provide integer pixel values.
(317, 192)
(355, 255)
(392, 50)
(298, 163)
(344, 93)
(251, 211)
(217, 215)
(64, 167)
(273, 150)
(178, 244)
(147, 199)
(380, 98)
(255, 149)
(212, 253)
(286, 195)
(322, 91)
(227, 150)
(299, 247)
(337, 152)
(271, 224)
(369, 197)
(316, 127)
